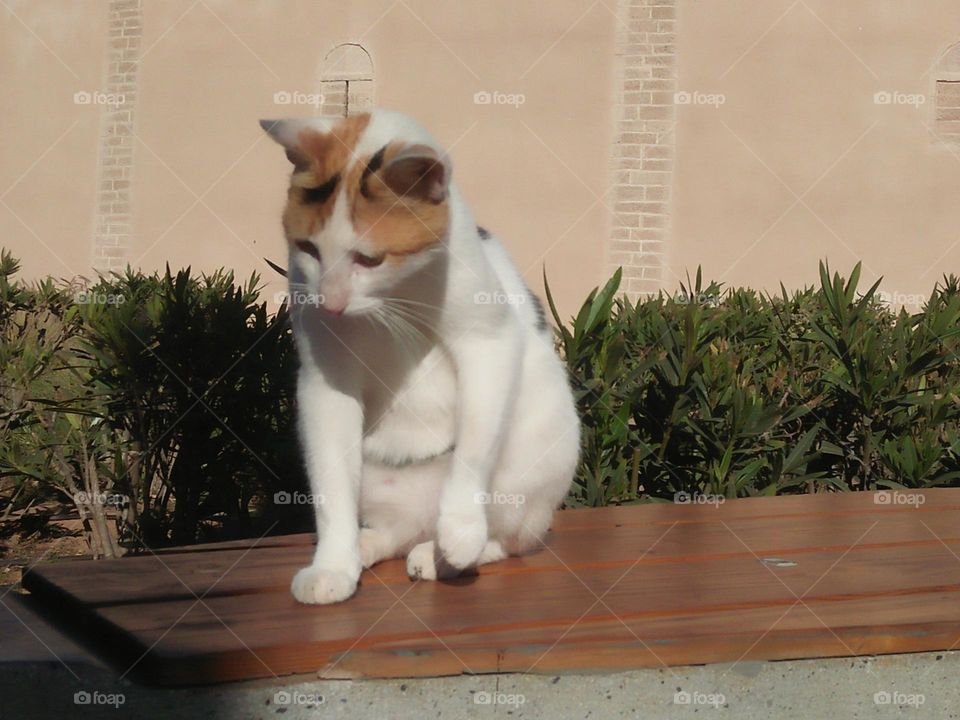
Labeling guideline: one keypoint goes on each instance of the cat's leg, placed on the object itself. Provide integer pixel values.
(522, 532)
(488, 369)
(376, 544)
(330, 424)
(425, 563)
(398, 507)
(388, 540)
(539, 456)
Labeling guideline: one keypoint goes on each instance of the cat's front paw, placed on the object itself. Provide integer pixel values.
(421, 562)
(462, 537)
(315, 585)
(424, 564)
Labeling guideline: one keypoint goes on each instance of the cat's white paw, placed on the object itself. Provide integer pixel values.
(421, 564)
(315, 585)
(462, 537)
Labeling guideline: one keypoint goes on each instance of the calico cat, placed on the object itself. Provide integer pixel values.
(436, 419)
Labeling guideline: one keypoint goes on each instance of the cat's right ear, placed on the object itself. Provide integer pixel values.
(287, 133)
(418, 171)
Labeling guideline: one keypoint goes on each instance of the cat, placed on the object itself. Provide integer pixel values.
(436, 419)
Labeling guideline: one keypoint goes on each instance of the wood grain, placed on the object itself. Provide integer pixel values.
(614, 588)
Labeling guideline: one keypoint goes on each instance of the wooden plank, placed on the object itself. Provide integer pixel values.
(783, 507)
(795, 632)
(677, 583)
(270, 568)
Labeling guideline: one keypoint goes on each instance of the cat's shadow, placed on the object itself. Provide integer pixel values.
(465, 579)
(366, 346)
(392, 357)
(448, 576)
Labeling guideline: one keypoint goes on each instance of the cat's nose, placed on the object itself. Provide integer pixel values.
(335, 303)
(335, 298)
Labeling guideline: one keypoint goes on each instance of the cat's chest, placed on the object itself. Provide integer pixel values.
(414, 412)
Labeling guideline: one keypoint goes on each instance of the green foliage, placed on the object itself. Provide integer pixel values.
(53, 444)
(199, 378)
(175, 392)
(736, 393)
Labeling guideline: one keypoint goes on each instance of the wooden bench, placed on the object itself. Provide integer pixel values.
(615, 588)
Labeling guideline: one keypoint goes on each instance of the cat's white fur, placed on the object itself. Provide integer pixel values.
(380, 409)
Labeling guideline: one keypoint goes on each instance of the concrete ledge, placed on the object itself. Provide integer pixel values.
(837, 688)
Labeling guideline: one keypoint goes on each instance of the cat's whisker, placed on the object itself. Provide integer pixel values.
(408, 301)
(414, 319)
(418, 338)
(403, 324)
(411, 307)
(397, 328)
(422, 313)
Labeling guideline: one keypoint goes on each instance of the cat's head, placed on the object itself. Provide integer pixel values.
(367, 205)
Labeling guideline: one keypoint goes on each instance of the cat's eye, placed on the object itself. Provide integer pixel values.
(367, 261)
(309, 248)
(320, 194)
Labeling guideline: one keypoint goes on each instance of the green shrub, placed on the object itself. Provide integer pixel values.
(736, 393)
(53, 443)
(175, 392)
(168, 397)
(199, 378)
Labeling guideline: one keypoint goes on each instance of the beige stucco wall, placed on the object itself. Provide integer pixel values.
(210, 70)
(799, 119)
(48, 144)
(598, 166)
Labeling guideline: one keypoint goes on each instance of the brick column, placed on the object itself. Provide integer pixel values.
(643, 152)
(111, 238)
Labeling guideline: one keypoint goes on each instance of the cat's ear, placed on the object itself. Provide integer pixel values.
(287, 133)
(419, 171)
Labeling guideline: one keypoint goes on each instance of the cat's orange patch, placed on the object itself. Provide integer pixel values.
(394, 224)
(324, 155)
(331, 152)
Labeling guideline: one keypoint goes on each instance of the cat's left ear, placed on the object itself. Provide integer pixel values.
(287, 133)
(419, 171)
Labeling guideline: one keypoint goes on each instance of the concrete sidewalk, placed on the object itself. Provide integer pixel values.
(922, 685)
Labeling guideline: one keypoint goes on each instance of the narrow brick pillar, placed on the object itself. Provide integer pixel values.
(112, 226)
(643, 152)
